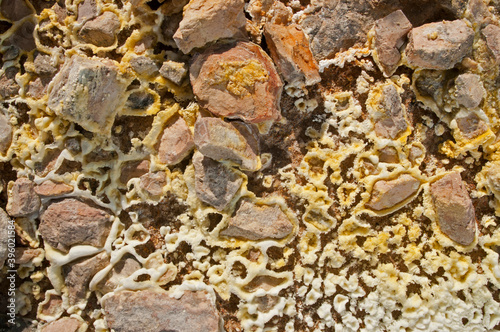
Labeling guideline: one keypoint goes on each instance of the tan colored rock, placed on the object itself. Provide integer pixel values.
(133, 169)
(220, 140)
(23, 199)
(392, 121)
(290, 51)
(144, 65)
(471, 126)
(267, 302)
(87, 10)
(102, 30)
(479, 12)
(215, 183)
(174, 71)
(253, 222)
(206, 21)
(4, 234)
(52, 306)
(72, 222)
(237, 80)
(492, 34)
(5, 133)
(87, 91)
(388, 155)
(65, 324)
(176, 142)
(386, 194)
(50, 188)
(121, 270)
(470, 91)
(44, 66)
(153, 183)
(15, 10)
(25, 255)
(128, 311)
(389, 35)
(439, 45)
(8, 84)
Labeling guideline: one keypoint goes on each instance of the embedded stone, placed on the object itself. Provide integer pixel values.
(8, 84)
(479, 12)
(23, 199)
(71, 222)
(454, 209)
(237, 80)
(102, 30)
(471, 126)
(176, 142)
(128, 311)
(390, 122)
(43, 65)
(206, 21)
(388, 155)
(53, 305)
(87, 10)
(492, 34)
(87, 91)
(174, 71)
(5, 133)
(22, 37)
(290, 51)
(66, 324)
(121, 270)
(215, 183)
(144, 66)
(439, 45)
(133, 169)
(15, 10)
(220, 140)
(386, 194)
(50, 188)
(153, 183)
(254, 222)
(389, 35)
(4, 235)
(25, 255)
(470, 91)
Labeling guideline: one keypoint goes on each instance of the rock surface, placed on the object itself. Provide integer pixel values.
(133, 169)
(87, 10)
(492, 34)
(4, 233)
(386, 194)
(66, 324)
(8, 84)
(102, 30)
(176, 142)
(72, 222)
(237, 80)
(15, 10)
(471, 125)
(153, 183)
(391, 122)
(470, 90)
(439, 45)
(254, 222)
(50, 188)
(206, 21)
(121, 270)
(5, 133)
(174, 71)
(144, 65)
(454, 208)
(23, 200)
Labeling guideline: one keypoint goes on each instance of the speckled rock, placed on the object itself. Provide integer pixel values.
(492, 34)
(391, 122)
(237, 81)
(23, 199)
(128, 311)
(133, 169)
(44, 66)
(4, 223)
(254, 222)
(153, 183)
(470, 91)
(87, 10)
(5, 133)
(50, 188)
(102, 30)
(454, 208)
(386, 194)
(471, 125)
(144, 66)
(176, 142)
(66, 324)
(439, 45)
(72, 222)
(207, 21)
(8, 84)
(174, 71)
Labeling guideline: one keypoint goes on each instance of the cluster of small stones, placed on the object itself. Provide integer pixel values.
(258, 165)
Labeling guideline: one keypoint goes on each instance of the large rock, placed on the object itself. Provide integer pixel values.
(50, 188)
(128, 311)
(290, 51)
(492, 34)
(87, 91)
(102, 30)
(72, 222)
(254, 222)
(386, 194)
(439, 45)
(133, 169)
(66, 324)
(206, 21)
(220, 140)
(5, 133)
(23, 199)
(237, 80)
(469, 90)
(15, 10)
(390, 121)
(389, 35)
(4, 234)
(215, 183)
(176, 142)
(455, 212)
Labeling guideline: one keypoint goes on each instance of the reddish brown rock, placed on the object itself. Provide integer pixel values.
(8, 84)
(237, 80)
(52, 306)
(128, 311)
(5, 133)
(87, 10)
(471, 126)
(455, 212)
(206, 21)
(50, 188)
(220, 140)
(386, 194)
(492, 34)
(215, 183)
(15, 10)
(254, 222)
(290, 51)
(174, 71)
(153, 183)
(469, 90)
(389, 35)
(102, 30)
(133, 169)
(391, 121)
(66, 324)
(23, 199)
(176, 142)
(439, 45)
(71, 222)
(25, 255)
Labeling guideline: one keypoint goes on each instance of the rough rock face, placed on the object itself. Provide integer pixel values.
(386, 194)
(87, 91)
(144, 65)
(102, 30)
(87, 10)
(470, 90)
(8, 84)
(66, 324)
(71, 222)
(439, 45)
(134, 169)
(15, 10)
(492, 34)
(174, 71)
(50, 188)
(391, 123)
(121, 270)
(290, 51)
(176, 142)
(207, 21)
(454, 208)
(23, 201)
(153, 183)
(4, 223)
(253, 222)
(5, 133)
(131, 311)
(237, 80)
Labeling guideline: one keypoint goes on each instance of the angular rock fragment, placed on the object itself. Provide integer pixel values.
(23, 199)
(5, 133)
(25, 255)
(479, 12)
(389, 36)
(388, 155)
(15, 10)
(439, 45)
(390, 122)
(22, 37)
(121, 270)
(153, 183)
(144, 65)
(4, 233)
(50, 188)
(8, 84)
(220, 140)
(206, 21)
(471, 126)
(133, 169)
(215, 183)
(52, 306)
(290, 51)
(87, 91)
(43, 65)
(102, 30)
(386, 194)
(237, 80)
(174, 71)
(72, 222)
(470, 91)
(176, 142)
(253, 222)
(128, 311)
(66, 324)
(87, 10)
(492, 34)
(455, 212)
